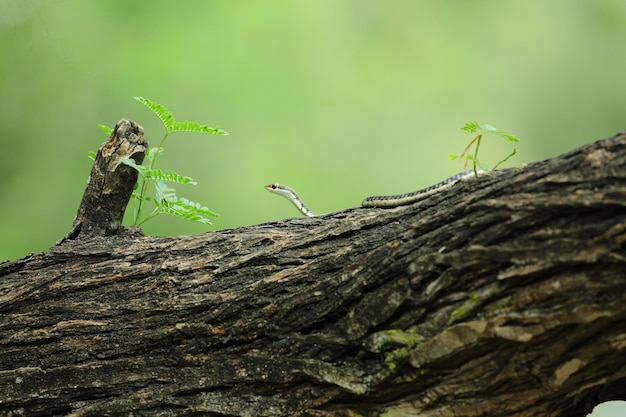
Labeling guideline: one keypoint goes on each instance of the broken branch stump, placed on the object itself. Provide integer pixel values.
(110, 183)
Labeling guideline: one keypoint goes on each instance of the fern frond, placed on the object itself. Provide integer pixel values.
(196, 208)
(164, 194)
(142, 169)
(491, 129)
(184, 214)
(153, 153)
(168, 203)
(509, 137)
(157, 174)
(165, 199)
(188, 126)
(471, 127)
(160, 111)
(106, 129)
(188, 210)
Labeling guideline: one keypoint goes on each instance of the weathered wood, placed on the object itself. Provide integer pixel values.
(504, 295)
(110, 184)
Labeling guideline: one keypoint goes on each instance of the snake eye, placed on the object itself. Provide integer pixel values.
(274, 186)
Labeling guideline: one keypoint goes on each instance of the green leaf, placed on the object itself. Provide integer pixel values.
(189, 208)
(471, 127)
(177, 211)
(488, 128)
(153, 153)
(482, 165)
(160, 111)
(510, 137)
(164, 194)
(164, 197)
(106, 129)
(143, 170)
(157, 174)
(491, 129)
(168, 203)
(188, 126)
(92, 155)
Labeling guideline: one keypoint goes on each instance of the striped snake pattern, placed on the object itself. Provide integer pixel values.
(385, 201)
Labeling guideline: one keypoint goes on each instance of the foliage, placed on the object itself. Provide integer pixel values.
(165, 199)
(474, 127)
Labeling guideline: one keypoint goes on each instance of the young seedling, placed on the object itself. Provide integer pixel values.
(474, 127)
(165, 199)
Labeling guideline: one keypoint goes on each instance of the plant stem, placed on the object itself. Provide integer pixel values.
(475, 161)
(144, 183)
(506, 159)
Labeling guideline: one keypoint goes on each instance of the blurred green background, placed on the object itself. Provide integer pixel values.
(339, 99)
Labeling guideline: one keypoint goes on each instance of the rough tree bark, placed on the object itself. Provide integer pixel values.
(110, 183)
(501, 296)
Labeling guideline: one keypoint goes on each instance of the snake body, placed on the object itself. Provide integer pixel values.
(415, 196)
(291, 195)
(385, 201)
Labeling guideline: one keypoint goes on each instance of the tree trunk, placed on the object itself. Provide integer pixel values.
(504, 295)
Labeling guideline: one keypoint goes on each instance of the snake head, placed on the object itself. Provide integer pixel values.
(283, 190)
(290, 195)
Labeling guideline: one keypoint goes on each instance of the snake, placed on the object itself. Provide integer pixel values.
(384, 201)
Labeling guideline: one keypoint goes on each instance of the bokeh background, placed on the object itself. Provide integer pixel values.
(339, 99)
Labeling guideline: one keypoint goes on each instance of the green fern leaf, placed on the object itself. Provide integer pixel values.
(188, 126)
(143, 170)
(183, 214)
(195, 208)
(470, 127)
(189, 210)
(510, 137)
(153, 153)
(164, 194)
(491, 129)
(106, 129)
(160, 111)
(157, 174)
(168, 203)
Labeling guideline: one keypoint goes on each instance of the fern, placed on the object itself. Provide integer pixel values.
(470, 127)
(160, 111)
(157, 174)
(188, 126)
(106, 129)
(167, 202)
(474, 127)
(165, 199)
